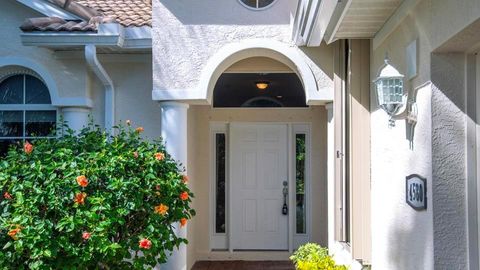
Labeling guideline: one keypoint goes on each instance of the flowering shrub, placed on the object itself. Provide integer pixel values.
(313, 257)
(90, 201)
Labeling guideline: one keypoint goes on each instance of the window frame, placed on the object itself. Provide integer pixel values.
(257, 8)
(28, 107)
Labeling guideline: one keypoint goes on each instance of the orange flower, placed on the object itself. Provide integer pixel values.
(128, 122)
(135, 154)
(185, 179)
(161, 209)
(7, 196)
(139, 129)
(82, 181)
(80, 198)
(86, 235)
(184, 196)
(183, 222)
(28, 148)
(159, 156)
(145, 244)
(13, 233)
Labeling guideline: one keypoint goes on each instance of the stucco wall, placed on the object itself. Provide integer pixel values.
(199, 170)
(68, 75)
(185, 39)
(449, 161)
(435, 238)
(133, 100)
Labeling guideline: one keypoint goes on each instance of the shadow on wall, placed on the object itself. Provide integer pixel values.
(448, 160)
(403, 257)
(230, 12)
(320, 56)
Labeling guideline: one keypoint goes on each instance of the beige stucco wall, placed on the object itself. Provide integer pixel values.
(438, 237)
(132, 78)
(199, 165)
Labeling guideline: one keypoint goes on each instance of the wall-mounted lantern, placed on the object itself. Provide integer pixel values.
(391, 94)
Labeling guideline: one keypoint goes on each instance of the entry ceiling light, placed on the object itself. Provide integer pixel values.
(392, 95)
(262, 85)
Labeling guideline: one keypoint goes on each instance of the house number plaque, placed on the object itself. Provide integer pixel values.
(416, 192)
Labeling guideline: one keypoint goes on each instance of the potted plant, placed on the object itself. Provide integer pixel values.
(314, 257)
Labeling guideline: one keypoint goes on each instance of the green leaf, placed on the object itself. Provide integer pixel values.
(7, 245)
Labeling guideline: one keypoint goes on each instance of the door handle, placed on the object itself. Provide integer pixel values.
(285, 195)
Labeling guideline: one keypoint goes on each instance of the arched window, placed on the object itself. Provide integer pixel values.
(26, 110)
(257, 4)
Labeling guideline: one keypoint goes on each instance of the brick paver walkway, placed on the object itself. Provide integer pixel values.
(243, 265)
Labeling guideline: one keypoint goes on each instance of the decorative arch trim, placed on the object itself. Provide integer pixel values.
(234, 52)
(45, 76)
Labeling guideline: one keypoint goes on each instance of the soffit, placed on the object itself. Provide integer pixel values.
(364, 18)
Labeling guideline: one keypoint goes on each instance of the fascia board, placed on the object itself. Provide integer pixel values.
(137, 43)
(49, 9)
(322, 19)
(336, 20)
(111, 34)
(68, 39)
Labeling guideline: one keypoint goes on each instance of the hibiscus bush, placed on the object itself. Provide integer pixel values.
(91, 201)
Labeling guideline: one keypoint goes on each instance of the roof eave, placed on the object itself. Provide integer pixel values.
(311, 21)
(49, 9)
(111, 34)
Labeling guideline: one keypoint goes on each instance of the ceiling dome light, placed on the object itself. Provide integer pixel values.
(262, 85)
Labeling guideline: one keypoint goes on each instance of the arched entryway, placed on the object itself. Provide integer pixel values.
(263, 166)
(211, 133)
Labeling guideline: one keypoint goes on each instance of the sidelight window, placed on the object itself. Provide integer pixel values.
(300, 195)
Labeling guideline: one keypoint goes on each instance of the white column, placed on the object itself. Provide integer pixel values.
(76, 117)
(174, 134)
(331, 176)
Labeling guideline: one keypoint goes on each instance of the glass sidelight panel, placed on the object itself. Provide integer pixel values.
(301, 209)
(220, 183)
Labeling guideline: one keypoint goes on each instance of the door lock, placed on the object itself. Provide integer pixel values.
(285, 195)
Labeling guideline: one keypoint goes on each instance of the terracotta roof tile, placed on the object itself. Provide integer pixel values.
(126, 12)
(55, 24)
(129, 13)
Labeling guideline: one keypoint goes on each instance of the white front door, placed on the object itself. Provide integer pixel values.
(258, 167)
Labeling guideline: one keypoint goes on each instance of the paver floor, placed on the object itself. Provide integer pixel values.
(243, 265)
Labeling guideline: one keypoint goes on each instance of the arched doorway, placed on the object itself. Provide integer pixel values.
(261, 145)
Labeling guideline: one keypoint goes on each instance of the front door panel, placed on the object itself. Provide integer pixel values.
(258, 167)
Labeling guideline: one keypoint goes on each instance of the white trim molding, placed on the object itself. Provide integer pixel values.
(234, 52)
(108, 34)
(335, 20)
(44, 74)
(311, 21)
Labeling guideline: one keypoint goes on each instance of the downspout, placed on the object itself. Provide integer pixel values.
(102, 75)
